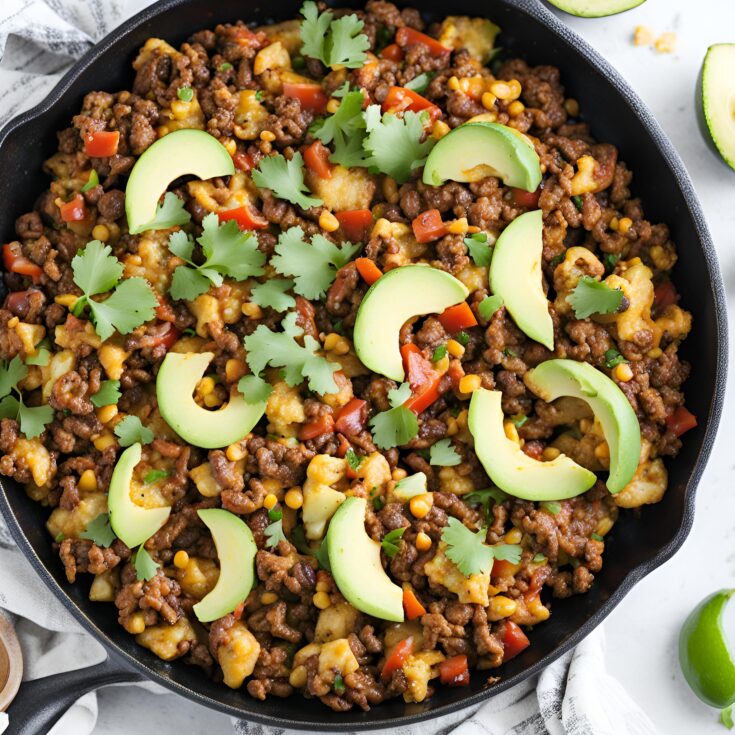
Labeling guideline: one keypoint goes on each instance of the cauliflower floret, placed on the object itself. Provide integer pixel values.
(578, 262)
(167, 641)
(477, 35)
(237, 655)
(250, 116)
(204, 480)
(400, 235)
(181, 114)
(321, 499)
(199, 577)
(30, 335)
(337, 656)
(473, 589)
(288, 33)
(336, 621)
(112, 358)
(104, 586)
(71, 523)
(450, 481)
(648, 484)
(285, 410)
(153, 47)
(344, 393)
(273, 56)
(675, 323)
(346, 189)
(34, 455)
(419, 668)
(206, 309)
(374, 471)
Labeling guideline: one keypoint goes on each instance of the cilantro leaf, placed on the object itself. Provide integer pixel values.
(390, 541)
(280, 349)
(398, 396)
(33, 420)
(155, 476)
(333, 42)
(42, 357)
(285, 179)
(613, 358)
(108, 394)
(313, 267)
(274, 534)
(346, 129)
(410, 486)
(443, 454)
(132, 303)
(485, 498)
(480, 251)
(95, 269)
(254, 388)
(469, 551)
(99, 531)
(168, 214)
(145, 567)
(394, 143)
(421, 82)
(130, 430)
(188, 283)
(489, 305)
(272, 293)
(11, 373)
(314, 29)
(354, 460)
(92, 181)
(399, 425)
(594, 297)
(9, 407)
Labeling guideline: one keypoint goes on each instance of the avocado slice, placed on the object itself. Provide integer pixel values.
(475, 150)
(595, 8)
(555, 378)
(515, 276)
(716, 100)
(176, 154)
(236, 551)
(356, 568)
(509, 467)
(396, 297)
(132, 523)
(175, 384)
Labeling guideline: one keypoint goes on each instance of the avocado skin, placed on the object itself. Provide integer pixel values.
(699, 104)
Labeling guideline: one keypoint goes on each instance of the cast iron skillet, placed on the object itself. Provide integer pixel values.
(636, 547)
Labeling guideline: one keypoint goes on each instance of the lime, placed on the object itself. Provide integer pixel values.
(704, 655)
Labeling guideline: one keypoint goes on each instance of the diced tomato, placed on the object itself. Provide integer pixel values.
(428, 226)
(664, 295)
(316, 158)
(422, 378)
(454, 671)
(414, 609)
(392, 52)
(164, 310)
(514, 641)
(243, 161)
(456, 373)
(102, 143)
(681, 421)
(355, 224)
(247, 218)
(311, 96)
(368, 270)
(166, 337)
(503, 568)
(408, 37)
(351, 417)
(397, 658)
(399, 99)
(323, 425)
(245, 37)
(458, 317)
(343, 448)
(523, 198)
(16, 262)
(73, 210)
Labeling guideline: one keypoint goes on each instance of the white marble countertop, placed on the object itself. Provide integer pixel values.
(642, 631)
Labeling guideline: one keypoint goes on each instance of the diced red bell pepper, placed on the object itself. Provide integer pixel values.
(397, 658)
(167, 337)
(392, 52)
(323, 425)
(355, 224)
(454, 671)
(16, 262)
(400, 99)
(247, 218)
(351, 417)
(526, 199)
(343, 448)
(414, 609)
(458, 317)
(428, 226)
(368, 270)
(74, 210)
(316, 158)
(311, 96)
(422, 378)
(514, 641)
(243, 161)
(664, 295)
(681, 420)
(408, 37)
(245, 37)
(102, 143)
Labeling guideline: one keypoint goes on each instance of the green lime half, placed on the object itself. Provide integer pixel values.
(704, 655)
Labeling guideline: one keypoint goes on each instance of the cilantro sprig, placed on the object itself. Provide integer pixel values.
(170, 213)
(391, 540)
(273, 294)
(132, 302)
(274, 534)
(285, 179)
(228, 251)
(346, 129)
(32, 419)
(144, 564)
(468, 550)
(108, 394)
(334, 42)
(480, 251)
(99, 531)
(254, 388)
(590, 296)
(443, 454)
(131, 430)
(398, 425)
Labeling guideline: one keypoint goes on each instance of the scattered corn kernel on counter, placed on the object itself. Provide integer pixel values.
(335, 348)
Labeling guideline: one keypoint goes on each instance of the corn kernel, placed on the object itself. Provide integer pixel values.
(332, 106)
(106, 413)
(502, 606)
(439, 129)
(624, 225)
(642, 36)
(234, 369)
(294, 498)
(665, 43)
(342, 347)
(634, 261)
(252, 311)
(420, 505)
(321, 600)
(623, 372)
(501, 90)
(585, 425)
(270, 501)
(327, 221)
(330, 341)
(67, 299)
(390, 190)
(181, 559)
(181, 109)
(237, 451)
(488, 100)
(538, 610)
(322, 586)
(104, 440)
(571, 106)
(452, 426)
(458, 226)
(614, 224)
(516, 108)
(230, 145)
(454, 348)
(550, 454)
(212, 400)
(267, 136)
(13, 322)
(513, 536)
(398, 474)
(602, 450)
(655, 353)
(604, 526)
(298, 677)
(206, 386)
(100, 232)
(136, 623)
(442, 365)
(515, 89)
(423, 541)
(470, 383)
(453, 84)
(88, 481)
(268, 598)
(511, 431)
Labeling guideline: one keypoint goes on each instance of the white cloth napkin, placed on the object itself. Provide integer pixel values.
(39, 39)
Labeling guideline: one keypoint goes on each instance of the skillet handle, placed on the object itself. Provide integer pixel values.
(41, 702)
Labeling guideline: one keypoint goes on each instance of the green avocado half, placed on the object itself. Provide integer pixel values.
(499, 151)
(716, 100)
(509, 467)
(396, 297)
(355, 561)
(132, 523)
(555, 378)
(515, 276)
(236, 551)
(175, 384)
(176, 154)
(595, 8)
